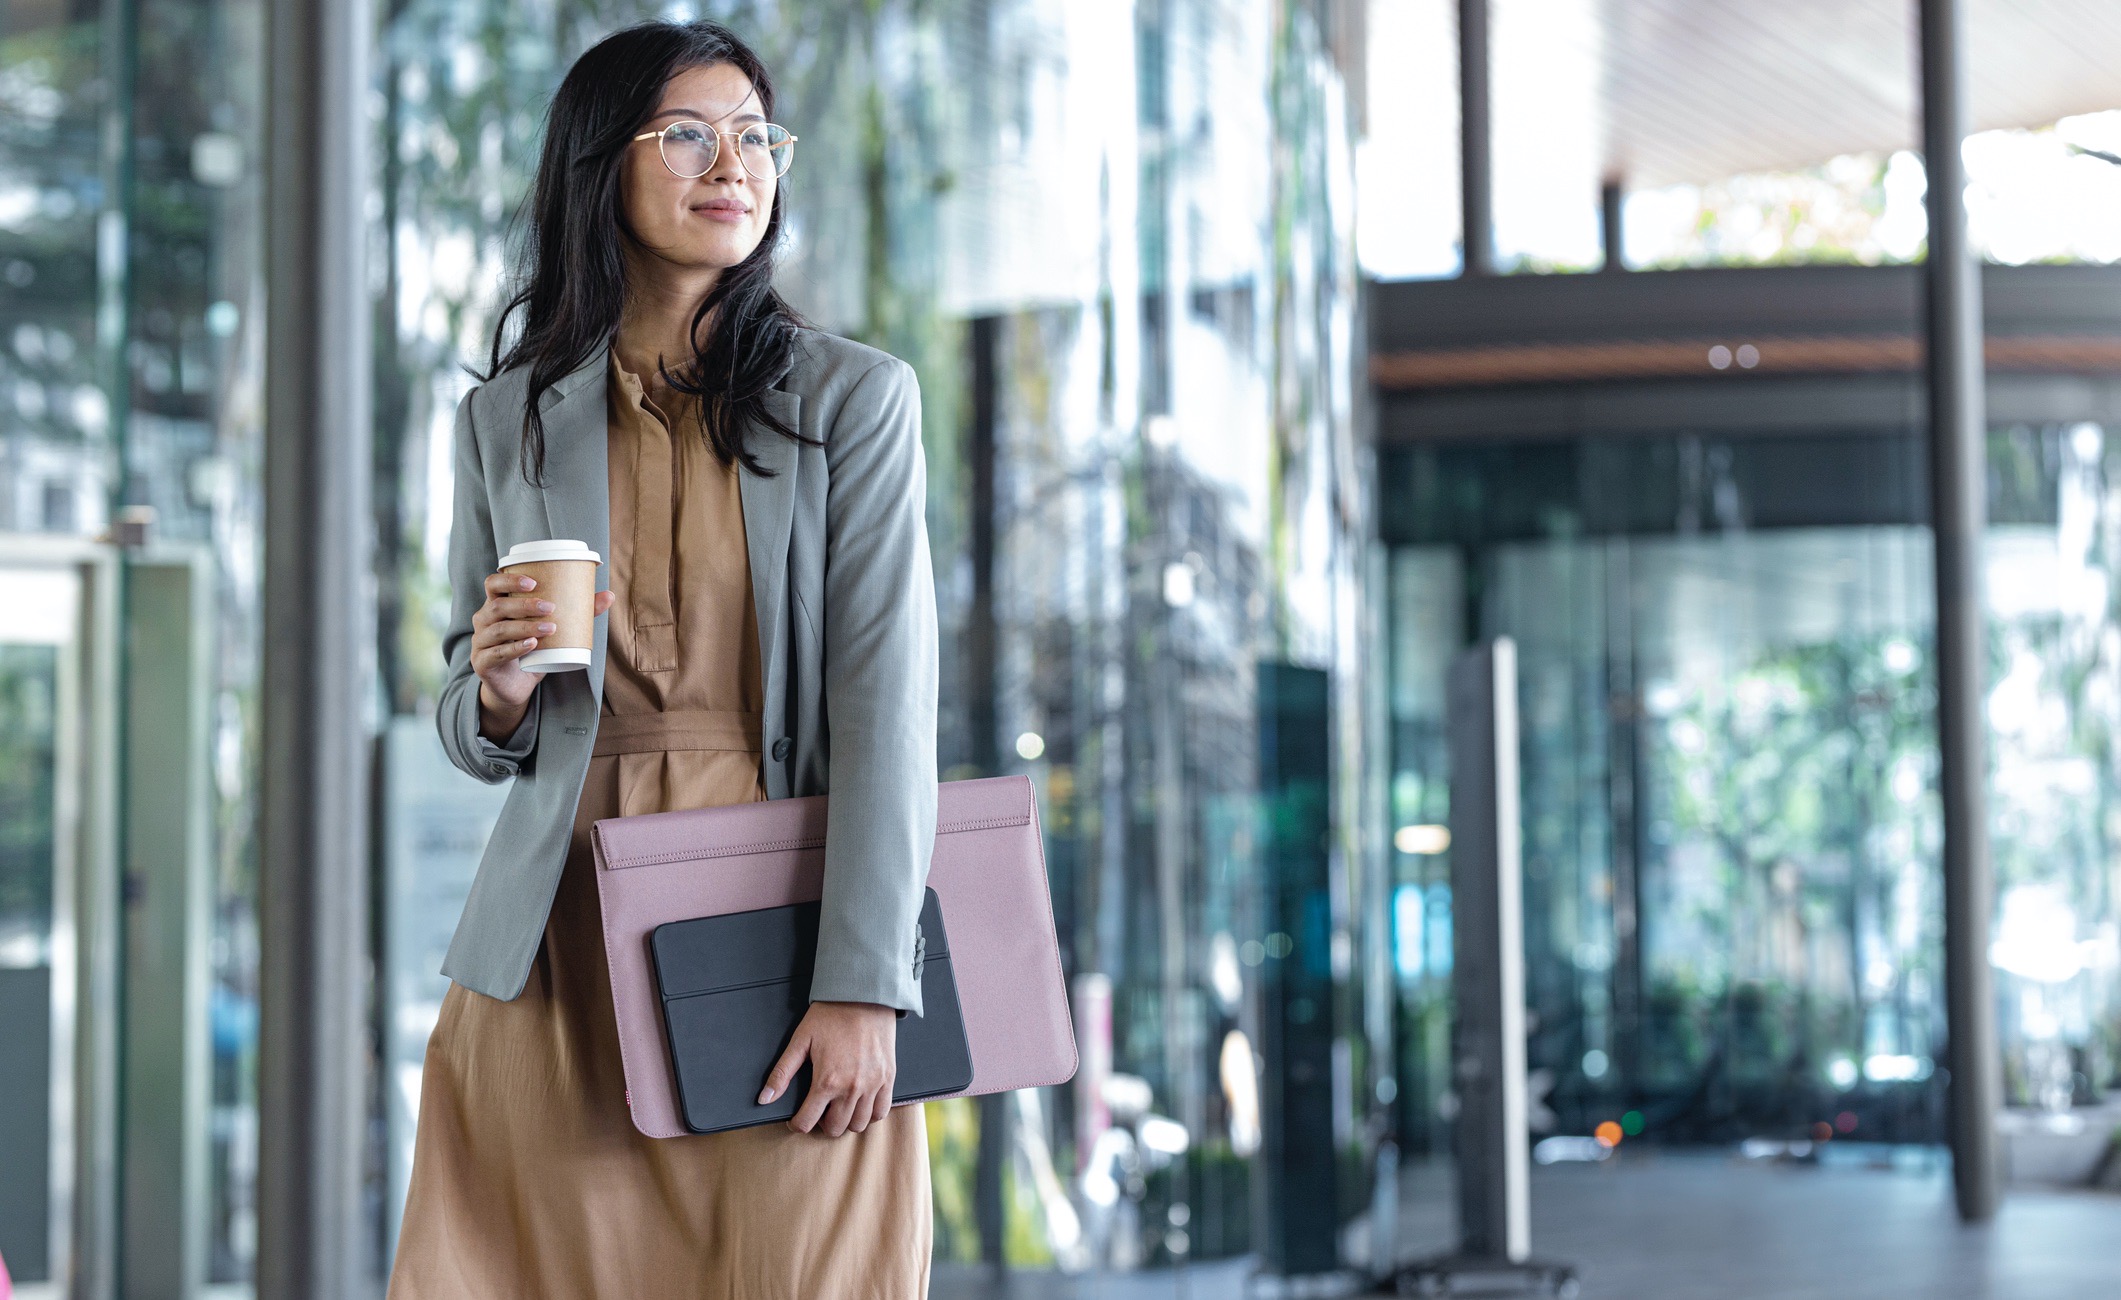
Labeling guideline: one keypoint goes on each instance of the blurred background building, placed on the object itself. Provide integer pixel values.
(1231, 449)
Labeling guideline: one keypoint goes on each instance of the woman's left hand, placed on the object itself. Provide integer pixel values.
(852, 1048)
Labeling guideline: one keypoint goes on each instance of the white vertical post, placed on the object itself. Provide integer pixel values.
(1487, 920)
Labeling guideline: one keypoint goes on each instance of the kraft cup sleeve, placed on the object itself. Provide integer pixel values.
(571, 585)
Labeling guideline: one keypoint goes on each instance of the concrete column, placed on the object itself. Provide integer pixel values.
(982, 690)
(1611, 226)
(314, 788)
(1476, 168)
(1958, 496)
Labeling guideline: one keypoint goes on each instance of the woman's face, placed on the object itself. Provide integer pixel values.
(701, 223)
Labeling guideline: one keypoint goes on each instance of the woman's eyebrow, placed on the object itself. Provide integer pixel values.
(695, 115)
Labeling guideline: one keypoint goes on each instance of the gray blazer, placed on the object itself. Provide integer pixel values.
(847, 635)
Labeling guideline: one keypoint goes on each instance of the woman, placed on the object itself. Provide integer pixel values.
(756, 489)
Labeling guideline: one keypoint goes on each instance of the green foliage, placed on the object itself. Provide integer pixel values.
(50, 97)
(28, 721)
(1811, 216)
(953, 1155)
(1027, 1242)
(1793, 795)
(1215, 1185)
(953, 1162)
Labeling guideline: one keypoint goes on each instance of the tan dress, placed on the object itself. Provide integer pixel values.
(529, 1180)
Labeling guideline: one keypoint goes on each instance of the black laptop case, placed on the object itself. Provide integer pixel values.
(735, 986)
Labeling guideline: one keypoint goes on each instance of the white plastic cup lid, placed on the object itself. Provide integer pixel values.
(559, 548)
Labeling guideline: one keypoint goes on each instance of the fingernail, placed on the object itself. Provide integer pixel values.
(530, 640)
(545, 607)
(765, 1095)
(526, 583)
(545, 627)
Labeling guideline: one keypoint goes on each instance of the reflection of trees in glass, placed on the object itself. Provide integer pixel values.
(2052, 790)
(141, 120)
(1790, 917)
(51, 183)
(28, 724)
(1147, 735)
(2054, 714)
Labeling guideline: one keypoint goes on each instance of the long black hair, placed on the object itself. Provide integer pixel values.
(571, 267)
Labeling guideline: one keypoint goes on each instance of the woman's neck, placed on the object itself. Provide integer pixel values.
(657, 322)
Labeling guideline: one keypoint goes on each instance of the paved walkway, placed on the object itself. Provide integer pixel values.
(1702, 1226)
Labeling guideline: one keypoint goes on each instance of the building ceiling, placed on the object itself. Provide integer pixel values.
(1698, 90)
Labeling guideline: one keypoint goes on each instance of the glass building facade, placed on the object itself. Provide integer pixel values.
(1733, 913)
(1182, 588)
(1116, 243)
(130, 436)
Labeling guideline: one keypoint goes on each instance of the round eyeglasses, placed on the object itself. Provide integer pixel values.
(690, 148)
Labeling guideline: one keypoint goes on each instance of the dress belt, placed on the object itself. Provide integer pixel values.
(650, 733)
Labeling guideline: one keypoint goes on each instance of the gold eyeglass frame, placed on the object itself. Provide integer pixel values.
(662, 136)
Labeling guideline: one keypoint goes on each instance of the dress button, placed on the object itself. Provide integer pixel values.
(781, 748)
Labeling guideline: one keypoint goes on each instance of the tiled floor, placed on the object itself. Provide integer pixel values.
(1206, 1282)
(1706, 1227)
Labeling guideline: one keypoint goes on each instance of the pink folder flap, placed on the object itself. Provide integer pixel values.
(988, 872)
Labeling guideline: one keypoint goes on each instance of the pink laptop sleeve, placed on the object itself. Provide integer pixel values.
(988, 873)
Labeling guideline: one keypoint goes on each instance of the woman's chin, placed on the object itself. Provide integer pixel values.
(710, 256)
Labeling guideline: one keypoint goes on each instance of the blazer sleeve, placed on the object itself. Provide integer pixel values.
(880, 694)
(471, 559)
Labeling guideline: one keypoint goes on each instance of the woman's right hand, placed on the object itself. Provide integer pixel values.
(505, 628)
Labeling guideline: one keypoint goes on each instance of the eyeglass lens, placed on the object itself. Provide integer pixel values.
(689, 149)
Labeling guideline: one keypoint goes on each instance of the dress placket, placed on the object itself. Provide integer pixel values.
(650, 600)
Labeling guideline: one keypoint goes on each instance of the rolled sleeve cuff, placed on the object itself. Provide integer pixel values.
(839, 982)
(507, 759)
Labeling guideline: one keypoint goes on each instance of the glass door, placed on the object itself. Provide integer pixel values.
(1730, 910)
(53, 853)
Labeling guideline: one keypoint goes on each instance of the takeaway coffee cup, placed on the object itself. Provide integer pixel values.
(566, 573)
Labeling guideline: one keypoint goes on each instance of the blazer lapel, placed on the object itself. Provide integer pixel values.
(769, 514)
(577, 490)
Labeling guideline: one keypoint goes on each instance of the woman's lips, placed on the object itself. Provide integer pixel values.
(723, 210)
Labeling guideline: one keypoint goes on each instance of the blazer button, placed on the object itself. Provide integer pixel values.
(781, 748)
